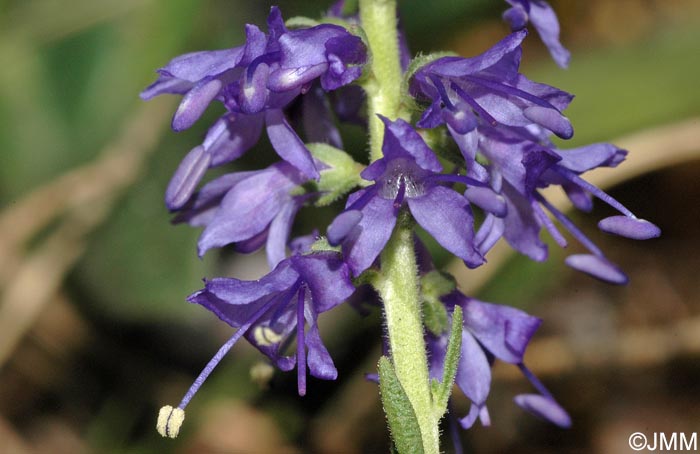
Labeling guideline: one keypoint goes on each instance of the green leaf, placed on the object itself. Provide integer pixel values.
(434, 285)
(403, 423)
(342, 175)
(449, 373)
(434, 316)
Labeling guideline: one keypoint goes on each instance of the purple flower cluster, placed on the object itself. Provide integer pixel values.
(255, 82)
(501, 123)
(491, 331)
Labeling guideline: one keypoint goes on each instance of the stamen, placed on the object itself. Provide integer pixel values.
(574, 178)
(266, 336)
(216, 359)
(548, 224)
(508, 90)
(169, 421)
(437, 83)
(286, 300)
(473, 104)
(360, 203)
(566, 222)
(535, 381)
(452, 178)
(301, 344)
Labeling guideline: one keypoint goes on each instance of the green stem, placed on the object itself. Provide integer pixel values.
(398, 287)
(397, 283)
(383, 87)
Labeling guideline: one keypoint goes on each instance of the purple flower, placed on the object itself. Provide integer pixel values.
(255, 82)
(487, 90)
(409, 172)
(521, 163)
(491, 331)
(269, 311)
(249, 209)
(326, 51)
(203, 76)
(544, 19)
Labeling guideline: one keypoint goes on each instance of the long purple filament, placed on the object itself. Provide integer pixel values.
(566, 222)
(474, 105)
(574, 178)
(301, 344)
(535, 381)
(360, 203)
(452, 178)
(508, 90)
(216, 359)
(548, 224)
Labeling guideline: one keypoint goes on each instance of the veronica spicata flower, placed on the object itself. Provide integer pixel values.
(487, 90)
(270, 312)
(544, 19)
(490, 331)
(522, 161)
(409, 172)
(249, 209)
(255, 82)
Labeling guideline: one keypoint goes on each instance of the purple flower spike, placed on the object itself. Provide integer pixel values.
(636, 229)
(269, 311)
(545, 22)
(408, 172)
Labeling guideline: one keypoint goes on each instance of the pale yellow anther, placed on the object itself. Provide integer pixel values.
(266, 336)
(169, 421)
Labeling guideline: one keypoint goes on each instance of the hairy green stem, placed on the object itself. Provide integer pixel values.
(398, 287)
(383, 87)
(397, 283)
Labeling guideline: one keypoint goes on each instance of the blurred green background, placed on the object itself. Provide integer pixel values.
(95, 333)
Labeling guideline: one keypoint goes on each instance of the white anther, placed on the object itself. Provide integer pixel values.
(169, 421)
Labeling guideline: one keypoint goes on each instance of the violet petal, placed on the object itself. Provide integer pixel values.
(597, 267)
(634, 228)
(545, 408)
(288, 145)
(186, 177)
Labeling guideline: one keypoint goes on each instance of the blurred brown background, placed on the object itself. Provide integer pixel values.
(95, 334)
